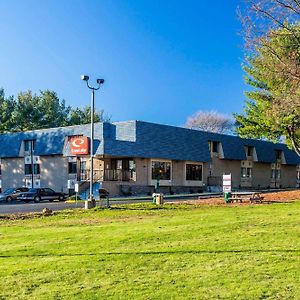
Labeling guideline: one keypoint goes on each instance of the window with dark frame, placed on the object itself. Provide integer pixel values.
(28, 169)
(193, 172)
(278, 154)
(161, 170)
(214, 146)
(28, 144)
(246, 172)
(72, 167)
(250, 150)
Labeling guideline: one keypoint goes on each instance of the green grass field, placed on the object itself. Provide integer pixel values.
(147, 252)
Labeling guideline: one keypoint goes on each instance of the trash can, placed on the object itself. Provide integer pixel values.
(104, 194)
(158, 198)
(227, 196)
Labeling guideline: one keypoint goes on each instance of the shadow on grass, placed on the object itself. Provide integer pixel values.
(149, 206)
(246, 251)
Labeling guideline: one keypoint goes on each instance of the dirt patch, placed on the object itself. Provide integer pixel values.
(282, 196)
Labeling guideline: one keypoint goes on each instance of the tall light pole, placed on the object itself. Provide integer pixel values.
(91, 202)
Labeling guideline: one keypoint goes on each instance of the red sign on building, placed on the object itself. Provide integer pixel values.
(79, 145)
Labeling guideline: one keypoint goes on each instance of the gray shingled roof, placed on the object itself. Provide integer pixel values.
(143, 139)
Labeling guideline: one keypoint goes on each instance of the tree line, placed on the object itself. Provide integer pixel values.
(29, 111)
(271, 30)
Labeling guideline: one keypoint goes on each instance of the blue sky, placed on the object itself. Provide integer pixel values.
(162, 60)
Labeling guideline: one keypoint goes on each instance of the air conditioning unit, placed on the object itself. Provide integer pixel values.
(37, 183)
(36, 159)
(28, 183)
(71, 183)
(27, 160)
(72, 159)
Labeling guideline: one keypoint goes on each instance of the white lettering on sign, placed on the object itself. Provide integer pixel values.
(227, 183)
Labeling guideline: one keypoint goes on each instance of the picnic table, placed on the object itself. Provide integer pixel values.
(250, 196)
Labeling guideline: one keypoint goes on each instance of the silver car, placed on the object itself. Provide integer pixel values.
(12, 193)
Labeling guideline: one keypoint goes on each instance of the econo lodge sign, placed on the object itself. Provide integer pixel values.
(79, 145)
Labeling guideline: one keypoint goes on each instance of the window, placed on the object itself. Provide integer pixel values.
(161, 170)
(28, 169)
(298, 175)
(214, 146)
(132, 170)
(278, 154)
(28, 144)
(193, 172)
(72, 167)
(249, 150)
(82, 167)
(275, 174)
(246, 172)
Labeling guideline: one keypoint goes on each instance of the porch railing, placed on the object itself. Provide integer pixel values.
(107, 175)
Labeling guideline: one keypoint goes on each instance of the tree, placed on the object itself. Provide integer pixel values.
(83, 116)
(211, 121)
(272, 110)
(7, 106)
(260, 17)
(271, 32)
(45, 110)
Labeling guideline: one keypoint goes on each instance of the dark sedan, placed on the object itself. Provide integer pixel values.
(12, 193)
(39, 194)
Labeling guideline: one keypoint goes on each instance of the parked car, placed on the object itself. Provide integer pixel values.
(12, 193)
(39, 194)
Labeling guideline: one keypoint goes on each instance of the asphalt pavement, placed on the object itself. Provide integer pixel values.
(16, 207)
(19, 207)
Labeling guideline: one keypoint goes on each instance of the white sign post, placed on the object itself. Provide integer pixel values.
(227, 183)
(76, 187)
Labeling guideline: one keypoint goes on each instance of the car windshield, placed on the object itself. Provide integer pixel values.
(32, 190)
(9, 191)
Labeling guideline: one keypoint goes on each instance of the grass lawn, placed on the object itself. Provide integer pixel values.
(141, 251)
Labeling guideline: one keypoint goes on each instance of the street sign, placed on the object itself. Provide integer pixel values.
(227, 183)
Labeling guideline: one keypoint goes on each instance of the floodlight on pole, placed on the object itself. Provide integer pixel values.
(91, 201)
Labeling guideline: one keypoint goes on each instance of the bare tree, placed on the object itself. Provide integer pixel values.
(211, 121)
(261, 17)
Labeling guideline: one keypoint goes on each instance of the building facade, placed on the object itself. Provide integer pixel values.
(130, 157)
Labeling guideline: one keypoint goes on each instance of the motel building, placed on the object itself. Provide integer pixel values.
(130, 156)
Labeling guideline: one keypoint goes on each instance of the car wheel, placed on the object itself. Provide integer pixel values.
(37, 199)
(61, 198)
(8, 199)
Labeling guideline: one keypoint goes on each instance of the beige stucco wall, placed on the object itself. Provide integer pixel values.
(142, 173)
(221, 166)
(261, 175)
(288, 176)
(12, 170)
(178, 172)
(54, 172)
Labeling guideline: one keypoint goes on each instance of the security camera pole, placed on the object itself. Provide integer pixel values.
(91, 202)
